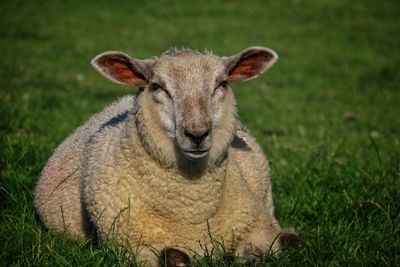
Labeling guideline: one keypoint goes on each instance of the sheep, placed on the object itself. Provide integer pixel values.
(169, 166)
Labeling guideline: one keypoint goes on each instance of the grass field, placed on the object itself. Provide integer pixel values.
(327, 114)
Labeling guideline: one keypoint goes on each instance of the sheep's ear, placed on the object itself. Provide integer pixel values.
(249, 63)
(123, 69)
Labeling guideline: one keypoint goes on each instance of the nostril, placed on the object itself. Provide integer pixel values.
(205, 134)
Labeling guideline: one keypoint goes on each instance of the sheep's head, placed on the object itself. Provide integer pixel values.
(190, 91)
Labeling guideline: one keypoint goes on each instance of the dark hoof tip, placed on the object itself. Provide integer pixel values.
(290, 239)
(172, 257)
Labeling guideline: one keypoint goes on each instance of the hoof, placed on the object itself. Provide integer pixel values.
(290, 238)
(171, 257)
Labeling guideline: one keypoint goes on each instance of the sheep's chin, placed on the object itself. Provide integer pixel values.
(195, 155)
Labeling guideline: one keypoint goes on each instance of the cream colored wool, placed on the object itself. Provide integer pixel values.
(122, 173)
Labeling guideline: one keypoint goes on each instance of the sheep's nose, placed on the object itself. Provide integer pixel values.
(197, 136)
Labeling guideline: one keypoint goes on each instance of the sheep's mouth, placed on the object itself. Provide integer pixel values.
(195, 154)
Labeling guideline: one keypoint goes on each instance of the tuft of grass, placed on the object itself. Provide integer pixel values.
(327, 114)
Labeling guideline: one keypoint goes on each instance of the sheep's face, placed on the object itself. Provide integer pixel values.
(190, 91)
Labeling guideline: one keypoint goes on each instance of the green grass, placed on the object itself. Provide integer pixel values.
(336, 180)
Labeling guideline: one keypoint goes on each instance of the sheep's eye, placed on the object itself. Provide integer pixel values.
(221, 88)
(155, 86)
(223, 84)
(158, 90)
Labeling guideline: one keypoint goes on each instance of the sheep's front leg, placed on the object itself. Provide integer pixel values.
(167, 257)
(172, 257)
(263, 239)
(268, 239)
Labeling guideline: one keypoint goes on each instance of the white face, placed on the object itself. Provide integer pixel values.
(189, 92)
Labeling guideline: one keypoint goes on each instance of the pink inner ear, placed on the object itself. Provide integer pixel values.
(250, 66)
(121, 71)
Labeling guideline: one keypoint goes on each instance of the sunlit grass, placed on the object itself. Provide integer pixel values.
(327, 114)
